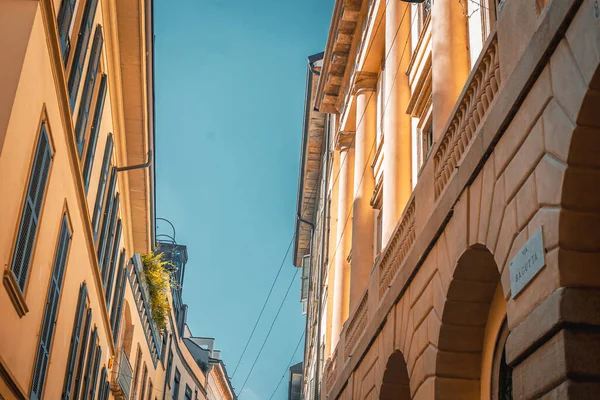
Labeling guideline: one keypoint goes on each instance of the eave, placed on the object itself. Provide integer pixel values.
(311, 158)
(342, 31)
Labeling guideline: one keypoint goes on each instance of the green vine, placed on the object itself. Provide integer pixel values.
(159, 277)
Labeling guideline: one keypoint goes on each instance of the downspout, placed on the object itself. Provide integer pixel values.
(322, 261)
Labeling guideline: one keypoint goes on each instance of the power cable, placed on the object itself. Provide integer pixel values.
(269, 332)
(288, 366)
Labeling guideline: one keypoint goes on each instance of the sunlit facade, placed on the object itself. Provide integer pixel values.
(447, 206)
(77, 208)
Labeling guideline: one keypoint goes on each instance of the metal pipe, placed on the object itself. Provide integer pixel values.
(138, 166)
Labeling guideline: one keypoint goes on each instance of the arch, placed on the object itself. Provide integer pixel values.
(396, 384)
(472, 317)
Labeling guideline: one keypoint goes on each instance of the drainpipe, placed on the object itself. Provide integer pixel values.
(321, 262)
(137, 166)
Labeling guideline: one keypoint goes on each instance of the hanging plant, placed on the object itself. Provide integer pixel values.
(159, 277)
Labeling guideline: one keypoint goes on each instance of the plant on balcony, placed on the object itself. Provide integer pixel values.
(159, 277)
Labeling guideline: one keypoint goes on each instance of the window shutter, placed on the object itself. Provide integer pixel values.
(105, 249)
(83, 41)
(106, 216)
(305, 277)
(95, 373)
(51, 309)
(96, 121)
(102, 186)
(65, 17)
(103, 376)
(150, 390)
(75, 338)
(88, 90)
(82, 354)
(91, 355)
(36, 190)
(113, 264)
(118, 300)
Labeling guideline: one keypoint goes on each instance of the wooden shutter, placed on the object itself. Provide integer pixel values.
(118, 301)
(83, 41)
(82, 354)
(91, 355)
(50, 312)
(102, 186)
(104, 246)
(96, 121)
(103, 376)
(113, 264)
(36, 190)
(75, 339)
(65, 17)
(88, 90)
(144, 379)
(94, 384)
(106, 214)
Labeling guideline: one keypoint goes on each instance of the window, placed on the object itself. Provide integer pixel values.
(379, 232)
(36, 190)
(188, 393)
(51, 310)
(169, 366)
(87, 377)
(136, 372)
(100, 196)
(176, 384)
(91, 149)
(501, 388)
(424, 13)
(111, 209)
(88, 91)
(117, 303)
(150, 389)
(103, 387)
(83, 41)
(112, 263)
(425, 140)
(79, 376)
(65, 17)
(144, 378)
(98, 357)
(80, 317)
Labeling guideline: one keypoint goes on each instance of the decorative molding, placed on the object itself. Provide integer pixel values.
(344, 140)
(11, 383)
(471, 108)
(14, 293)
(364, 82)
(377, 197)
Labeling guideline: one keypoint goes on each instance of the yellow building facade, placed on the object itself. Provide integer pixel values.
(77, 207)
(447, 208)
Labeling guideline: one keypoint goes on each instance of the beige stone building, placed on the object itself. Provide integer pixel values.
(449, 202)
(77, 208)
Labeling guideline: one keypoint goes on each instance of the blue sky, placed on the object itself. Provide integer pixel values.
(230, 80)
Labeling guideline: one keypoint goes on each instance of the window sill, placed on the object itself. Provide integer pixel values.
(14, 293)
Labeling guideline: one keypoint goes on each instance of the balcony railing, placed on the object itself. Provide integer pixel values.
(357, 325)
(120, 383)
(472, 106)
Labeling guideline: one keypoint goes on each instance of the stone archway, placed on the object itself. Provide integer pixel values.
(396, 384)
(472, 317)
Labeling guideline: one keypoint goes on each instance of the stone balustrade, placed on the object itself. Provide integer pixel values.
(400, 243)
(357, 325)
(474, 102)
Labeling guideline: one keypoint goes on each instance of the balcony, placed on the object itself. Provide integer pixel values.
(120, 383)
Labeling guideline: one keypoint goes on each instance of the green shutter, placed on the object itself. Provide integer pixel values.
(96, 121)
(50, 312)
(82, 354)
(88, 91)
(65, 17)
(106, 240)
(75, 339)
(108, 149)
(36, 190)
(106, 214)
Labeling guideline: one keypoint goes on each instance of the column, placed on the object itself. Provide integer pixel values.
(450, 59)
(363, 225)
(341, 283)
(397, 185)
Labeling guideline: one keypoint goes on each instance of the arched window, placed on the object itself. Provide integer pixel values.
(501, 372)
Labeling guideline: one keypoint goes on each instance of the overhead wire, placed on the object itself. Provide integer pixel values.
(288, 366)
